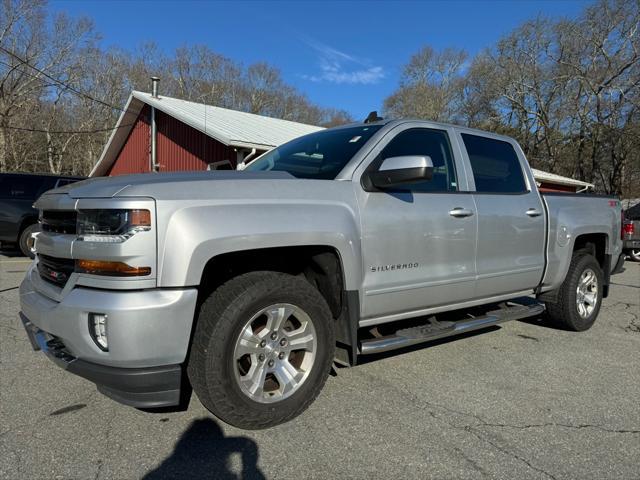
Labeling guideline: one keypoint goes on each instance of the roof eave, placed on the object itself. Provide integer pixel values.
(257, 146)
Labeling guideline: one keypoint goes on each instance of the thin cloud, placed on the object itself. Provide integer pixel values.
(342, 68)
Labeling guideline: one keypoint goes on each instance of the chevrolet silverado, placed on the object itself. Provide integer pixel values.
(247, 286)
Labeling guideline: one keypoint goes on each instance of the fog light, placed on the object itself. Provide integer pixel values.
(98, 330)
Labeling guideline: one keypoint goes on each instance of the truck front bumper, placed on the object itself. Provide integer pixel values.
(148, 335)
(149, 387)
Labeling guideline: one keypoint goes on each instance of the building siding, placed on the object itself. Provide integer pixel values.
(179, 148)
(134, 155)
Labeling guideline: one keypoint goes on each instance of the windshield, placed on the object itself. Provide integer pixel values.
(321, 155)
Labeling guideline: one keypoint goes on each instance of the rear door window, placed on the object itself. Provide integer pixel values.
(495, 164)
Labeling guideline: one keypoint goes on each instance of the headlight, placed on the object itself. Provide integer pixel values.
(112, 226)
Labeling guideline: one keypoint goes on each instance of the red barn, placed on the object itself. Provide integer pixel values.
(188, 136)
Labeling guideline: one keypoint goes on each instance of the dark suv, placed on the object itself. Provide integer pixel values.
(18, 191)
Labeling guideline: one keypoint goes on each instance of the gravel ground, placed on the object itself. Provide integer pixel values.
(520, 401)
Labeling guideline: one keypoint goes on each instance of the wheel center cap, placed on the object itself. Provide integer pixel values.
(271, 350)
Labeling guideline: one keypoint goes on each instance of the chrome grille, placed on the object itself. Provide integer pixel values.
(59, 221)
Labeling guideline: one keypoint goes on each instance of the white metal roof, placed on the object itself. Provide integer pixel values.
(231, 127)
(542, 176)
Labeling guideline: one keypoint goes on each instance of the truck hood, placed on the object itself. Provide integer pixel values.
(161, 184)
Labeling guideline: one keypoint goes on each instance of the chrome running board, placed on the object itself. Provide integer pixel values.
(435, 330)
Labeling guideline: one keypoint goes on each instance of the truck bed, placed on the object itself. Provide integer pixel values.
(571, 216)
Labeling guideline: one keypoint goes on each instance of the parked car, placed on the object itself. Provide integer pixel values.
(631, 232)
(348, 242)
(18, 218)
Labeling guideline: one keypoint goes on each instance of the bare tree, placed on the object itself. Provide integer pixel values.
(430, 85)
(568, 90)
(39, 65)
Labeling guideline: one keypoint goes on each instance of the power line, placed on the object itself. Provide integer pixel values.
(59, 82)
(32, 75)
(38, 130)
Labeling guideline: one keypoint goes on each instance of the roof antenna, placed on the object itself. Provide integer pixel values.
(373, 117)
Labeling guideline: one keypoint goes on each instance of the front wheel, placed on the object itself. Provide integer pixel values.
(580, 295)
(262, 349)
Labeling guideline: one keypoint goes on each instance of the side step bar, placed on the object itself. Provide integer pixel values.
(435, 330)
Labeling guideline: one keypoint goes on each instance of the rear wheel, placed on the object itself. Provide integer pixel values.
(262, 349)
(580, 295)
(635, 254)
(25, 235)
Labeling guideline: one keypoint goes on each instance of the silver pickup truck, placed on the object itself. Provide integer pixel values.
(247, 286)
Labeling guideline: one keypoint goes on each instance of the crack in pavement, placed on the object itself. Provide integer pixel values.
(551, 424)
(624, 285)
(634, 324)
(435, 411)
(469, 428)
(476, 466)
(432, 412)
(9, 289)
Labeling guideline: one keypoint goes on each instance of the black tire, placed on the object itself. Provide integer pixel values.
(24, 237)
(222, 317)
(564, 312)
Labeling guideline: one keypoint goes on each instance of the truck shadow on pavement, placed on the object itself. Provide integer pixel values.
(203, 452)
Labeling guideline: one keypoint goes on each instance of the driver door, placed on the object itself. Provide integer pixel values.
(418, 241)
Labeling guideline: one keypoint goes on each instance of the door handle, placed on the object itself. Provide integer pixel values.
(532, 212)
(459, 212)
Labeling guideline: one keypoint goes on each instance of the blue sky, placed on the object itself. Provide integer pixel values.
(341, 54)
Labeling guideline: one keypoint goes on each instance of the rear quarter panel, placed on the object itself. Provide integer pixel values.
(572, 215)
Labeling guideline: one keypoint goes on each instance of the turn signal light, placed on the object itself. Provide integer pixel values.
(99, 267)
(140, 218)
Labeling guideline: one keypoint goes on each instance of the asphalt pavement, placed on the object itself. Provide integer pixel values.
(518, 401)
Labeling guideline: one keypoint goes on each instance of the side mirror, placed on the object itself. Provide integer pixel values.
(396, 171)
